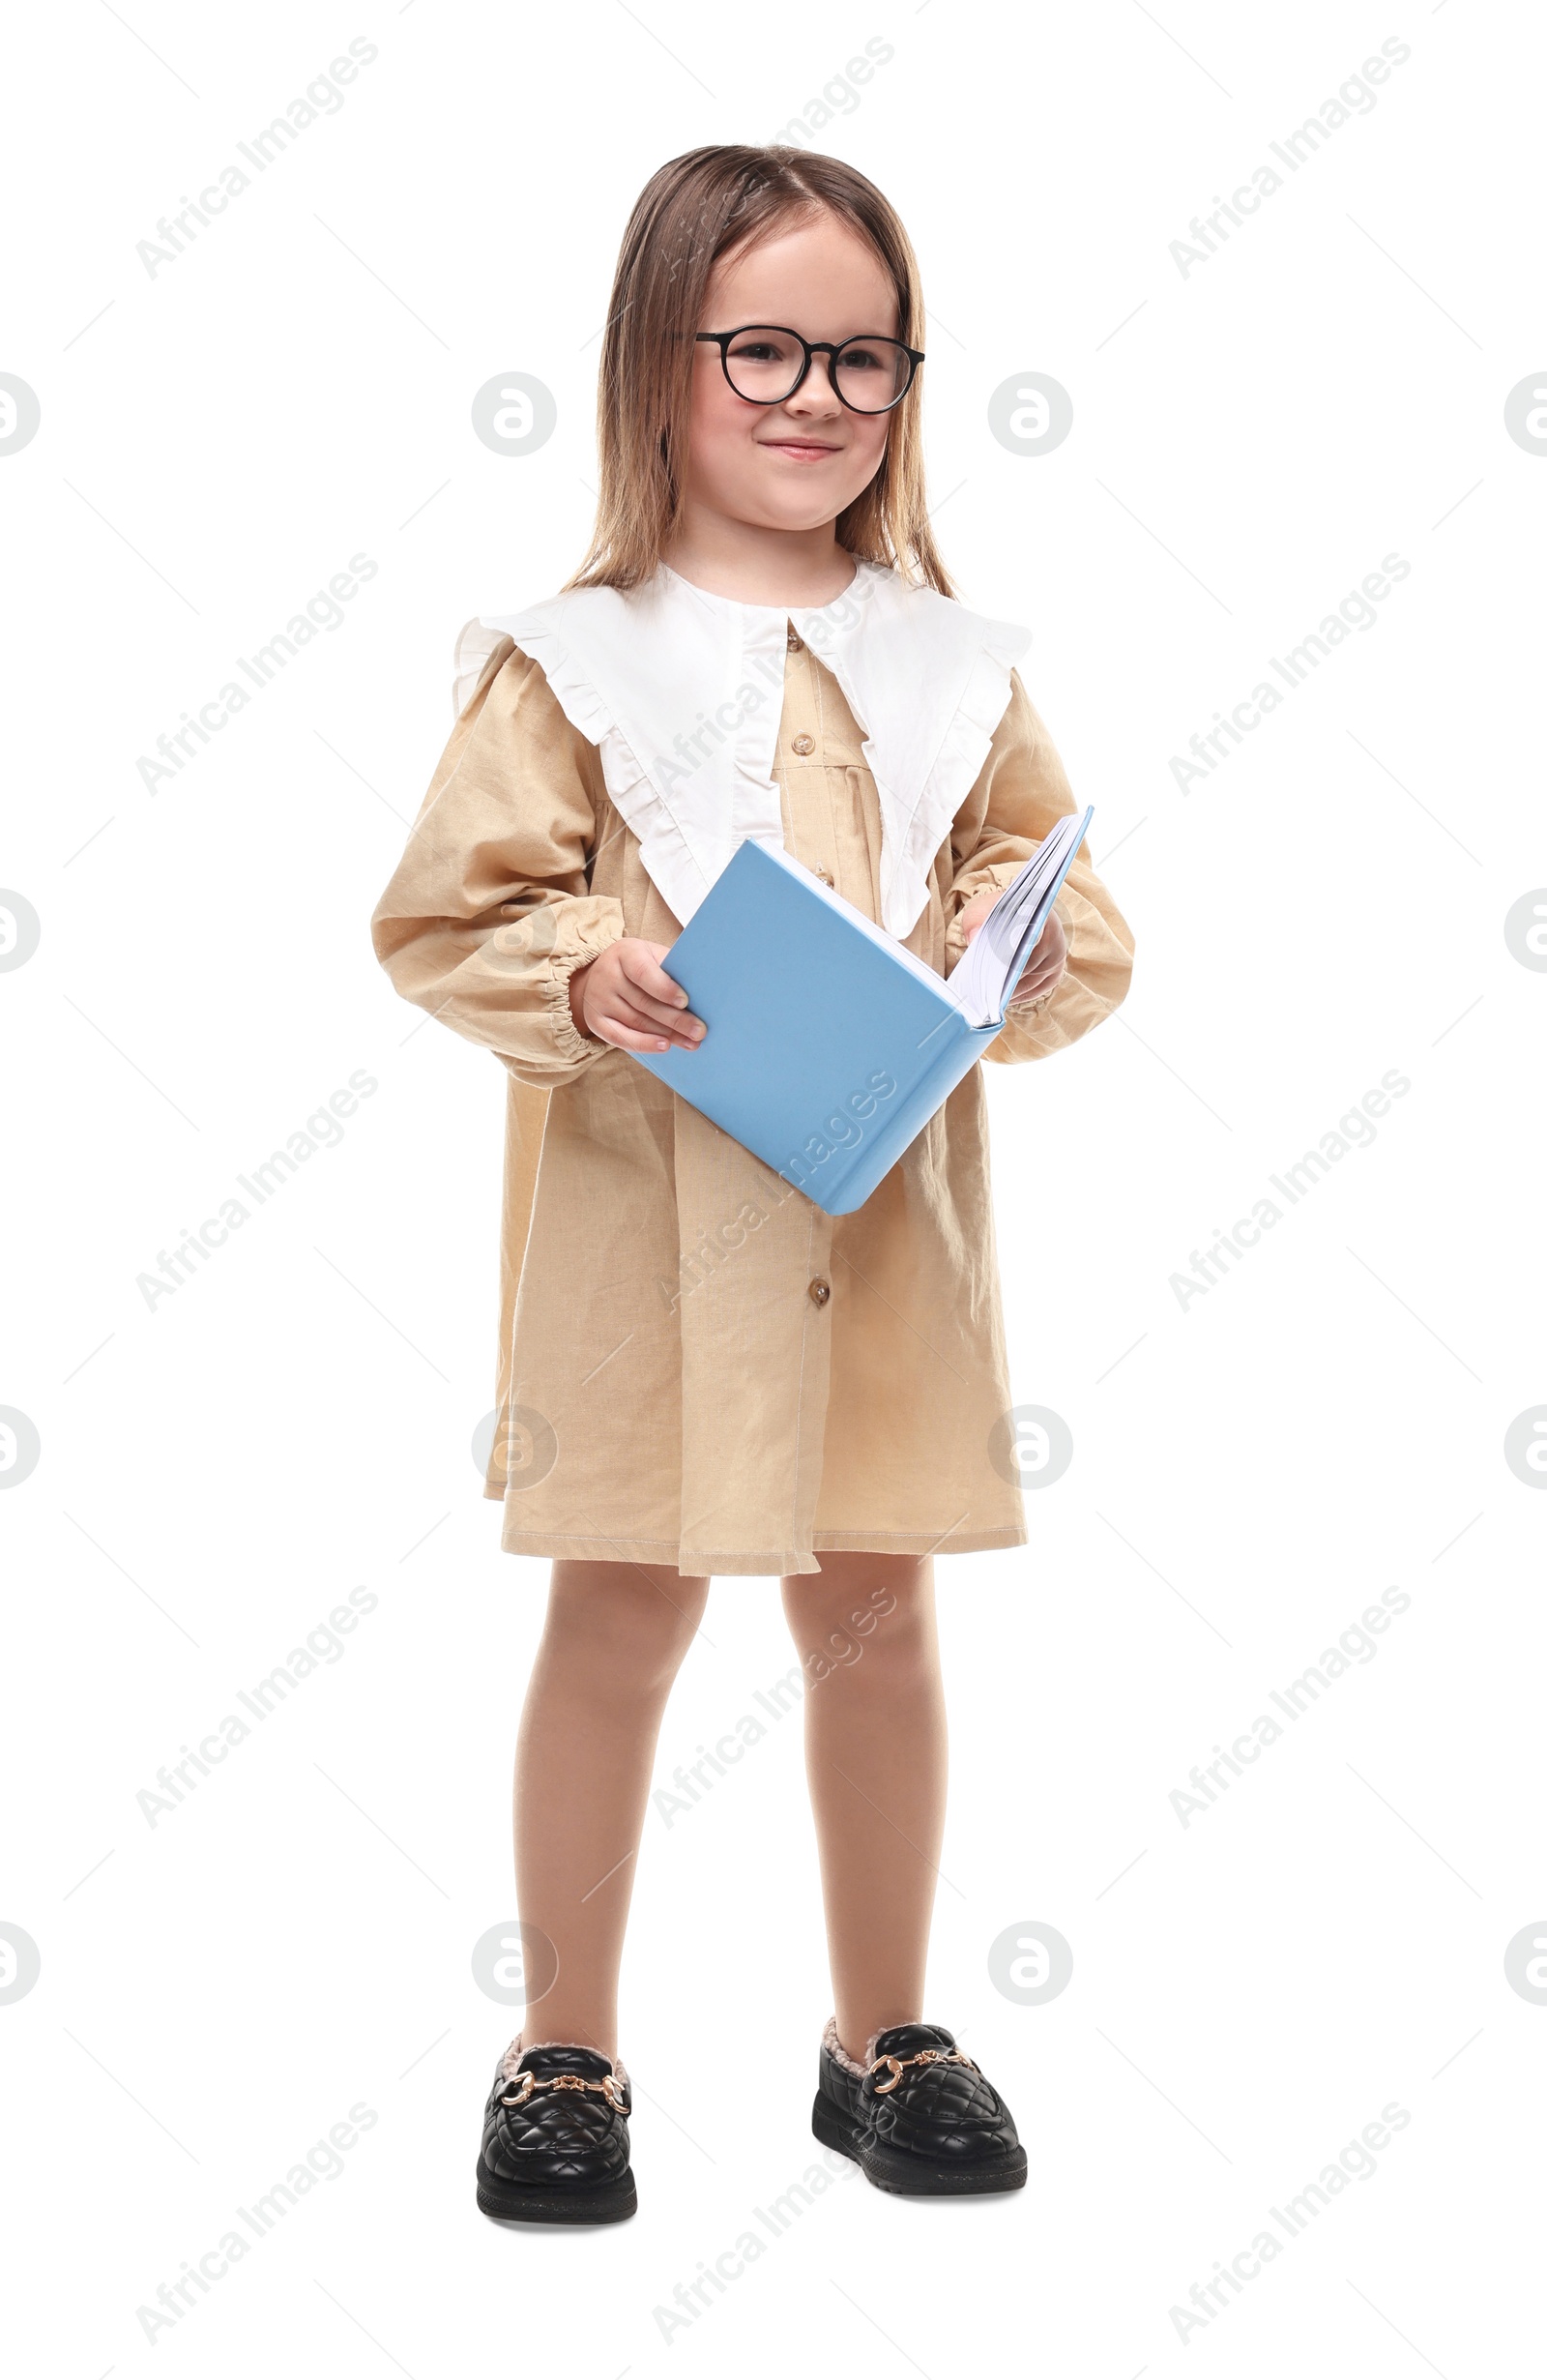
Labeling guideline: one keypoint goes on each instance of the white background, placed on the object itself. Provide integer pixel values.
(1250, 1472)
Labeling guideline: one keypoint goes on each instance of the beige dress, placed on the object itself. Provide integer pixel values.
(697, 1366)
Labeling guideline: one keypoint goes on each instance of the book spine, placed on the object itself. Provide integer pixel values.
(952, 1053)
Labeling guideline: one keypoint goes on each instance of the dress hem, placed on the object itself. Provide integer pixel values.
(786, 1563)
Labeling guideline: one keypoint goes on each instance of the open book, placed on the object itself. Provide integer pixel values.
(828, 1046)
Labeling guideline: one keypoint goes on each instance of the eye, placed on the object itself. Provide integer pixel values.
(764, 343)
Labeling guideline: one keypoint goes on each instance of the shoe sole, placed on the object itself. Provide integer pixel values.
(912, 2176)
(579, 2202)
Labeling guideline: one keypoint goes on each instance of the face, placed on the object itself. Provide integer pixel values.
(797, 464)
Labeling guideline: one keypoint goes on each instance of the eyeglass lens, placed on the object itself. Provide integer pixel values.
(762, 365)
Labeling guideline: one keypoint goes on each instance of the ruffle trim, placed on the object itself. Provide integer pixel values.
(476, 647)
(667, 853)
(664, 847)
(964, 748)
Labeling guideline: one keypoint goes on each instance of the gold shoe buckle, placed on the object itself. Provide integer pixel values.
(921, 2057)
(609, 2087)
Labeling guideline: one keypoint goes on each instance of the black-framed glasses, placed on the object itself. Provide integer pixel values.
(765, 363)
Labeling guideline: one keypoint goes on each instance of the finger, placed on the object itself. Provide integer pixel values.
(623, 1037)
(643, 974)
(1040, 972)
(644, 1030)
(658, 1013)
(1031, 987)
(1049, 958)
(644, 1015)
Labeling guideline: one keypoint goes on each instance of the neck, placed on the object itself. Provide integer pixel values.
(804, 568)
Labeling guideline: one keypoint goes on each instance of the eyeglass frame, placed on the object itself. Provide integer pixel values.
(811, 348)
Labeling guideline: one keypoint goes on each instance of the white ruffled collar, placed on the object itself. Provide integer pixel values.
(681, 690)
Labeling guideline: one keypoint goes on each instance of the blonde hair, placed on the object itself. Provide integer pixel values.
(694, 211)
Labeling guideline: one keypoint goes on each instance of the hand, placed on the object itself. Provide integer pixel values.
(1045, 966)
(627, 997)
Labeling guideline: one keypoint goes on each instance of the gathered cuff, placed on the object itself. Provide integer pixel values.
(982, 879)
(1068, 1012)
(971, 881)
(572, 1044)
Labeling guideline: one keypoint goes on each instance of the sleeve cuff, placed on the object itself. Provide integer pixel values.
(574, 1045)
(976, 880)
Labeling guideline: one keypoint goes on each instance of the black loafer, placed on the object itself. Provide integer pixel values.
(922, 2121)
(555, 2145)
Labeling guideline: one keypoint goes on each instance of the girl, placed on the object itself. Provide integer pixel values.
(700, 1373)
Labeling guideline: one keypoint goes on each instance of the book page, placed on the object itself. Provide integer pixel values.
(993, 959)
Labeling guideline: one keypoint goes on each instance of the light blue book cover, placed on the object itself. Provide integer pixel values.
(828, 1046)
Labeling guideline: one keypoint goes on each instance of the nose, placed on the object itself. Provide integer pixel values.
(812, 394)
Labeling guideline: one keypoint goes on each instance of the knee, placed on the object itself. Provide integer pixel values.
(629, 1626)
(878, 1626)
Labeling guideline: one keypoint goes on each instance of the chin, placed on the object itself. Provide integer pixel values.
(790, 507)
(771, 515)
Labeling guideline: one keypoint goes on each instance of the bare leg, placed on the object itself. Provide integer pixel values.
(875, 1761)
(615, 1636)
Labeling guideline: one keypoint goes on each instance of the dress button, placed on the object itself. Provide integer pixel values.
(803, 745)
(819, 1292)
(795, 646)
(826, 879)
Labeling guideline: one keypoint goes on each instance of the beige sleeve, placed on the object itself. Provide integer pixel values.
(489, 912)
(1020, 792)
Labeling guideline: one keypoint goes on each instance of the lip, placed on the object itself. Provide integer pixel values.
(799, 450)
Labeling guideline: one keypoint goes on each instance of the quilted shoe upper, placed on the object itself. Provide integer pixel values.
(945, 2112)
(558, 2135)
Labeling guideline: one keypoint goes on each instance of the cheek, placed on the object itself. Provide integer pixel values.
(869, 449)
(718, 424)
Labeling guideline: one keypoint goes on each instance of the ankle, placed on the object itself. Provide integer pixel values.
(544, 2039)
(578, 2025)
(860, 2057)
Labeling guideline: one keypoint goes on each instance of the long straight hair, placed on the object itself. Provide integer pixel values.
(694, 211)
